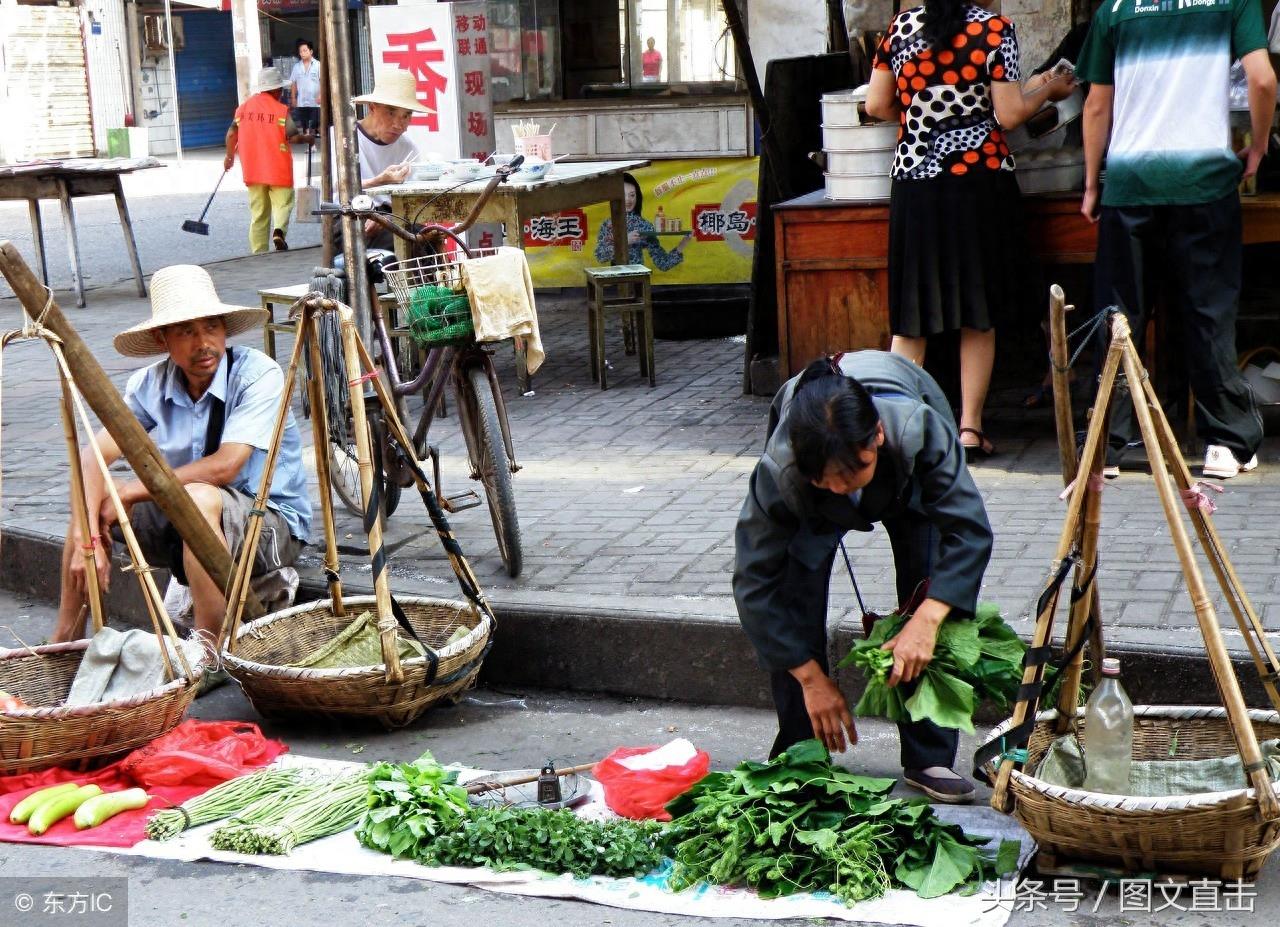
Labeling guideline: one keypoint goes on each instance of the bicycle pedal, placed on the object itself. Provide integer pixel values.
(462, 501)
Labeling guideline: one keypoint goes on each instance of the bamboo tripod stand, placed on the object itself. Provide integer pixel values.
(1078, 542)
(359, 369)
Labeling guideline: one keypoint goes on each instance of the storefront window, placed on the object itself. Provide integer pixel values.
(545, 50)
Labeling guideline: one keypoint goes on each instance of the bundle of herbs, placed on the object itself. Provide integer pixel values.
(800, 824)
(418, 811)
(973, 661)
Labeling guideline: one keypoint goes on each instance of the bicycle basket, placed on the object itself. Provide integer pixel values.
(432, 298)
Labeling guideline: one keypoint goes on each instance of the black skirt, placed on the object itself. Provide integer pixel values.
(957, 253)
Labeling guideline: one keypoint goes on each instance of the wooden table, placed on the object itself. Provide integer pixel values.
(64, 181)
(514, 203)
(832, 265)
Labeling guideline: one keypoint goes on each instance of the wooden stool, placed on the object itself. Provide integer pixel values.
(620, 289)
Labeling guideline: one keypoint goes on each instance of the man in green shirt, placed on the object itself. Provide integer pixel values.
(1158, 107)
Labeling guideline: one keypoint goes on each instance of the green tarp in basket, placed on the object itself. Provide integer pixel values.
(359, 644)
(1063, 765)
(438, 315)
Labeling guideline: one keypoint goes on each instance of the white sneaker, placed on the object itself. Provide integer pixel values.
(1220, 462)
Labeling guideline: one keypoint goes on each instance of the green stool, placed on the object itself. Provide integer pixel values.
(620, 289)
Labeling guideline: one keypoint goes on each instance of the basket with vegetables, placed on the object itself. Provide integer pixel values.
(37, 729)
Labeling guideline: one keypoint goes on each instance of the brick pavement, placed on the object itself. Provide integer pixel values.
(628, 498)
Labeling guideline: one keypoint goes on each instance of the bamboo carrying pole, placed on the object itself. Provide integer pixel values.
(320, 441)
(1219, 660)
(80, 511)
(148, 463)
(1000, 798)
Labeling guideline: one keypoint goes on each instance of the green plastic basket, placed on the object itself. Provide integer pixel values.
(437, 315)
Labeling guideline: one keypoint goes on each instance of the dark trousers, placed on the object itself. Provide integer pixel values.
(307, 119)
(922, 743)
(1198, 251)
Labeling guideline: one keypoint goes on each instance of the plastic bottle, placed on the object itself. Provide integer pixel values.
(1108, 734)
(660, 221)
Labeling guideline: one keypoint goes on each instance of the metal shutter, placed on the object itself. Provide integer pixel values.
(206, 79)
(45, 85)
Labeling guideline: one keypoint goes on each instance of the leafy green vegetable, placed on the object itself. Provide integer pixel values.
(418, 811)
(798, 823)
(973, 661)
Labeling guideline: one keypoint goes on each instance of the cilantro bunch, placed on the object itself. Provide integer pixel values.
(800, 824)
(973, 661)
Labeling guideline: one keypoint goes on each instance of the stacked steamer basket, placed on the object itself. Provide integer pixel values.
(859, 155)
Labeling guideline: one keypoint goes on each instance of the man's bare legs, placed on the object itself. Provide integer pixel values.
(206, 596)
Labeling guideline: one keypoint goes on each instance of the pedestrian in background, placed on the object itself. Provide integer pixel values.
(261, 133)
(304, 89)
(1159, 108)
(949, 73)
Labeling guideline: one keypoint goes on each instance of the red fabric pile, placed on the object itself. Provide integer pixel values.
(190, 759)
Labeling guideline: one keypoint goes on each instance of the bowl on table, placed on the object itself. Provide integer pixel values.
(430, 170)
(469, 169)
(533, 169)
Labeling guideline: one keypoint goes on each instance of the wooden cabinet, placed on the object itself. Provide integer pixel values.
(832, 265)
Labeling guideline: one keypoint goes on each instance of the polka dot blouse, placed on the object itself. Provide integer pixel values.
(947, 124)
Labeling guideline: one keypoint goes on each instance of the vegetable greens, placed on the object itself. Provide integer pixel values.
(798, 823)
(973, 661)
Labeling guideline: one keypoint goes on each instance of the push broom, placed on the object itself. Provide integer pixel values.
(199, 226)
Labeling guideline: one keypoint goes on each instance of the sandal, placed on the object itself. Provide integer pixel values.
(980, 450)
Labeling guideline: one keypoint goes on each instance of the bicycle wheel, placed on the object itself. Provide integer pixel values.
(488, 456)
(344, 467)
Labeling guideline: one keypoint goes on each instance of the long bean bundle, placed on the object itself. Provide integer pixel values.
(219, 802)
(308, 812)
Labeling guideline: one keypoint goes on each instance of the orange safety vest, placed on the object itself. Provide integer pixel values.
(264, 152)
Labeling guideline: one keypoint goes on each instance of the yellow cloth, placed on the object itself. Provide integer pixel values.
(269, 208)
(502, 305)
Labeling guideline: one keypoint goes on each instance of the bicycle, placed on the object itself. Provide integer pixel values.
(453, 356)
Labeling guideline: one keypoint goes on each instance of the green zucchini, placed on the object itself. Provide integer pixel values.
(104, 807)
(23, 810)
(58, 807)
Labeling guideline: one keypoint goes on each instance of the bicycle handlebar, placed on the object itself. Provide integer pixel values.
(393, 223)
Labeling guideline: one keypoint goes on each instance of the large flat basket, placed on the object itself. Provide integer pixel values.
(1214, 834)
(263, 650)
(49, 734)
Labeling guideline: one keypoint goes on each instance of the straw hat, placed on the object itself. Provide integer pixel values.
(183, 293)
(394, 87)
(268, 79)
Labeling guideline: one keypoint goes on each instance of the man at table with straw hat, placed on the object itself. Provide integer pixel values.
(261, 132)
(211, 409)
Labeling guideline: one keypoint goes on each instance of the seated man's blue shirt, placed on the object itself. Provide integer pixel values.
(250, 392)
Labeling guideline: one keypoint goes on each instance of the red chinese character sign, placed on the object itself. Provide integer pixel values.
(445, 46)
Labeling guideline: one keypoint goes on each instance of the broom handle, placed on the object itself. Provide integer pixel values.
(209, 203)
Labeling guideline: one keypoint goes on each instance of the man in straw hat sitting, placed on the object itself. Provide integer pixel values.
(386, 153)
(211, 409)
(261, 132)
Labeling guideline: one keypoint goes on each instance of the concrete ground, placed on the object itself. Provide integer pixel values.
(504, 728)
(628, 497)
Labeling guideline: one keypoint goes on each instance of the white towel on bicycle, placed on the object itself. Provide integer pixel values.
(502, 305)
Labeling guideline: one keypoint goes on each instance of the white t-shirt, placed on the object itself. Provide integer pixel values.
(376, 157)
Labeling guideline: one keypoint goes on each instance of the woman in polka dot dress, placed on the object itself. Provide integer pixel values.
(948, 72)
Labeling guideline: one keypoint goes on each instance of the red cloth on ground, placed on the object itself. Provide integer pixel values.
(187, 761)
(641, 793)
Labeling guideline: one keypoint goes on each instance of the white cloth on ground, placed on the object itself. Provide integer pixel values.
(502, 304)
(122, 664)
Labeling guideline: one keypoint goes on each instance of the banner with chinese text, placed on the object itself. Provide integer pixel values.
(694, 221)
(446, 47)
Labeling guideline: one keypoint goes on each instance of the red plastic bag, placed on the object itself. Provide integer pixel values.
(189, 760)
(642, 793)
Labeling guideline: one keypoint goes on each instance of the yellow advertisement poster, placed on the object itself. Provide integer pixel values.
(690, 221)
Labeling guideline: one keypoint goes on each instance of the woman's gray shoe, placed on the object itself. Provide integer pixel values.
(957, 791)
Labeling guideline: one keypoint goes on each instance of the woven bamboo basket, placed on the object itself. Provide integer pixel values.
(1215, 834)
(262, 650)
(48, 734)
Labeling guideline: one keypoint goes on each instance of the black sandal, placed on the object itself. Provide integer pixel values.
(980, 451)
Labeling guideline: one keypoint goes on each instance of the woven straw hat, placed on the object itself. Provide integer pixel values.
(183, 293)
(268, 79)
(394, 87)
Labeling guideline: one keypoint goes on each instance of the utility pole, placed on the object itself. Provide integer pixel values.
(246, 38)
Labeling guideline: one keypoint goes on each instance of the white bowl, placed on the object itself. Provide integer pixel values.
(432, 170)
(533, 169)
(469, 168)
